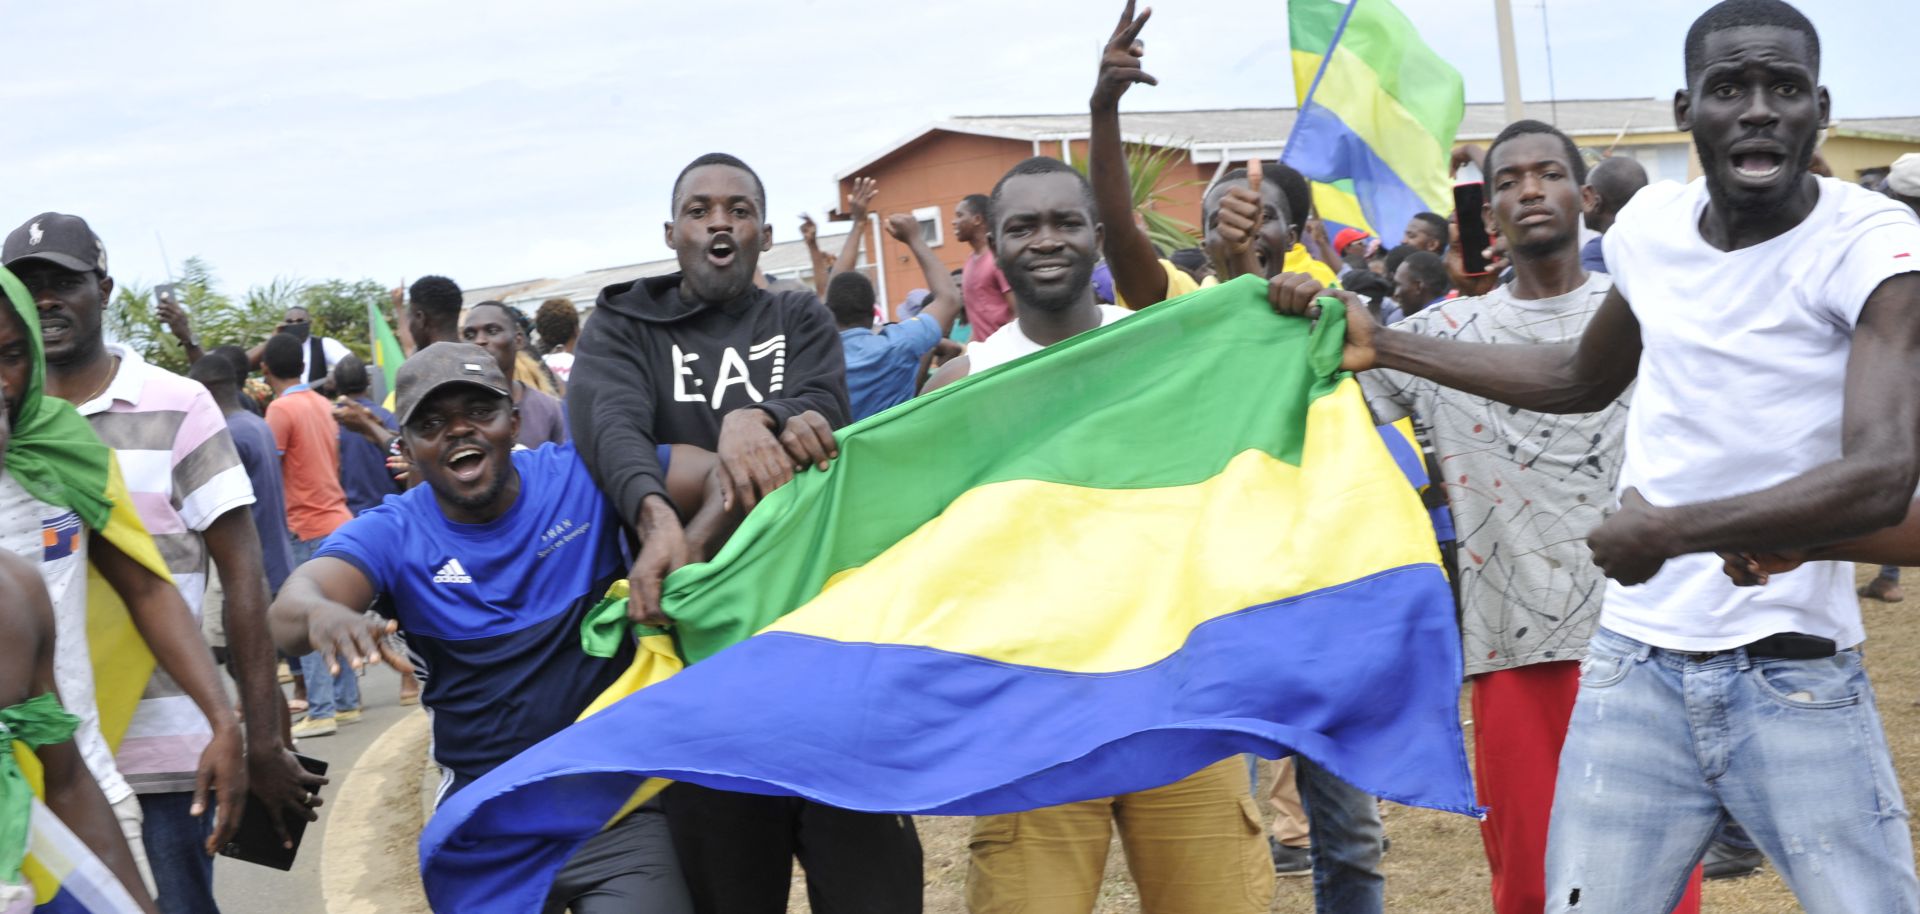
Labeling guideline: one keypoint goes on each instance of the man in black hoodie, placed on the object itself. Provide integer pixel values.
(702, 357)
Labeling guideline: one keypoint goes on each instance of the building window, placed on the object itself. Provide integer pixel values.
(930, 225)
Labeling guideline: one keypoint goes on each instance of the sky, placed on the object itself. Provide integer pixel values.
(481, 141)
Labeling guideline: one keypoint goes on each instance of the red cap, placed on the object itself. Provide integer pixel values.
(1347, 236)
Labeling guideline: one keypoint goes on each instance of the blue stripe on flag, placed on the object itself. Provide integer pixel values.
(1324, 149)
(1362, 677)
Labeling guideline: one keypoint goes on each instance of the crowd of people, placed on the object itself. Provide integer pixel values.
(1659, 423)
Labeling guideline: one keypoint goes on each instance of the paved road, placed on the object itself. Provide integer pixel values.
(243, 888)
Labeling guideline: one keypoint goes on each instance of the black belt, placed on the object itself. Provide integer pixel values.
(1783, 646)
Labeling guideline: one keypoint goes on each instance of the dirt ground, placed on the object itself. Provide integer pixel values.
(1437, 865)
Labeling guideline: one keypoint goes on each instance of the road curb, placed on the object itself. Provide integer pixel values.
(369, 855)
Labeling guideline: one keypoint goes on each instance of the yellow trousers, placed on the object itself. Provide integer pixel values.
(1195, 846)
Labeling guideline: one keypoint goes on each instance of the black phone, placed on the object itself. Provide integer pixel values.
(1469, 202)
(257, 842)
(165, 292)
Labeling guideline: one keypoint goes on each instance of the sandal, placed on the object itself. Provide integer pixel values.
(296, 706)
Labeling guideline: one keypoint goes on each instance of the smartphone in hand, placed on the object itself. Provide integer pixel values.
(1469, 205)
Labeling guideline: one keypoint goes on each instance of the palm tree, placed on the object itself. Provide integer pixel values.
(1147, 164)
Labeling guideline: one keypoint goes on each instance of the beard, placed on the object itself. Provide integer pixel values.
(1060, 297)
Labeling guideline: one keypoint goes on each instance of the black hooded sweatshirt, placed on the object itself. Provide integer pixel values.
(653, 368)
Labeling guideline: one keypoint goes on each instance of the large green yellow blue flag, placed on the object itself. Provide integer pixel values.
(1378, 114)
(1090, 572)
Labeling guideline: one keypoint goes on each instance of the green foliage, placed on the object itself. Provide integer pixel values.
(337, 308)
(1147, 165)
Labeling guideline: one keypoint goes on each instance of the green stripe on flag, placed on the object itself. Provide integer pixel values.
(1429, 88)
(1311, 24)
(1112, 408)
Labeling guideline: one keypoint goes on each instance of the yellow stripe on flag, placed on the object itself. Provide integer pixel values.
(1260, 528)
(1351, 90)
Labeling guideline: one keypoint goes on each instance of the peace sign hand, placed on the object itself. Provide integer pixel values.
(1120, 61)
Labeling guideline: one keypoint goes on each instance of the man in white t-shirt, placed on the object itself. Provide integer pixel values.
(1747, 305)
(1192, 845)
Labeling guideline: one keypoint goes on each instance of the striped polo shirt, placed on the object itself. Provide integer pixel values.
(183, 473)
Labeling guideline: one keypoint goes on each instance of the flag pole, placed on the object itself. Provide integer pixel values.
(1509, 63)
(1325, 58)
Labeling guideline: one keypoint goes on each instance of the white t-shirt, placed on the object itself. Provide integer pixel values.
(1740, 388)
(560, 363)
(331, 350)
(1010, 342)
(55, 541)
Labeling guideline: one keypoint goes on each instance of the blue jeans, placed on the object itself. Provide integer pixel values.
(176, 843)
(1665, 746)
(1345, 835)
(327, 693)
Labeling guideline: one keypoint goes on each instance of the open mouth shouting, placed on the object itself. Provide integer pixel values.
(721, 251)
(1757, 163)
(466, 462)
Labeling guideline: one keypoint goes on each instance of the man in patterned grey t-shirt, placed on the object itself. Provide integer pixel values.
(1524, 489)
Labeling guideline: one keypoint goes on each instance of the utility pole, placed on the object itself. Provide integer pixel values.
(1509, 64)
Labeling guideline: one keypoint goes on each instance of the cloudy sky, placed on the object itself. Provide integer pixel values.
(495, 141)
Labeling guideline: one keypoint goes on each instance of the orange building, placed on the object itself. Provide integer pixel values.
(930, 170)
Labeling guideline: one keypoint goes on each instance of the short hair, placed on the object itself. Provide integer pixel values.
(1733, 14)
(557, 320)
(235, 356)
(1429, 269)
(978, 204)
(1435, 223)
(1189, 258)
(350, 375)
(850, 297)
(213, 372)
(438, 297)
(1527, 128)
(1616, 180)
(1367, 284)
(1293, 186)
(719, 158)
(493, 303)
(1399, 253)
(283, 357)
(1269, 172)
(1037, 166)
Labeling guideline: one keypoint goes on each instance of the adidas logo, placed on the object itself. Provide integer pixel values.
(452, 573)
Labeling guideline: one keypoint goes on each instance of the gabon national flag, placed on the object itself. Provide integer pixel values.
(1088, 572)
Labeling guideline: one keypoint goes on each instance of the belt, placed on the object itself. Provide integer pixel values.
(1783, 646)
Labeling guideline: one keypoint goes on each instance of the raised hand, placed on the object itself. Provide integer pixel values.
(808, 231)
(171, 314)
(903, 227)
(864, 190)
(1120, 61)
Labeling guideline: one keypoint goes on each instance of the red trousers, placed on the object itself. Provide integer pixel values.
(1519, 723)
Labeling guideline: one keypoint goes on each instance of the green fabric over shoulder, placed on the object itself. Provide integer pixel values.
(38, 721)
(53, 452)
